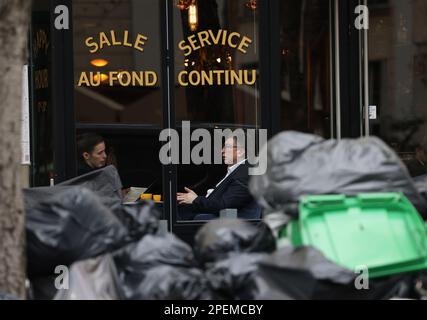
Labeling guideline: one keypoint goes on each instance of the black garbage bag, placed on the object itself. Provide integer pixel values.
(304, 273)
(232, 278)
(104, 182)
(167, 282)
(152, 251)
(68, 226)
(301, 164)
(139, 218)
(419, 286)
(218, 239)
(43, 287)
(421, 185)
(92, 279)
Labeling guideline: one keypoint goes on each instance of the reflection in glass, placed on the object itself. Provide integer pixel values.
(217, 75)
(117, 61)
(117, 81)
(216, 62)
(397, 40)
(305, 66)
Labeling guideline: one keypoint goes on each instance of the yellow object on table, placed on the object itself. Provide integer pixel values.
(157, 197)
(146, 196)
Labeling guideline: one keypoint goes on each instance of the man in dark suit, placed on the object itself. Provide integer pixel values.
(231, 192)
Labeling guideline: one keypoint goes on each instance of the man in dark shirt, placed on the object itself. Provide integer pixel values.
(91, 150)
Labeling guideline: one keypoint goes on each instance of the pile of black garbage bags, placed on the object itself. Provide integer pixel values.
(301, 164)
(117, 251)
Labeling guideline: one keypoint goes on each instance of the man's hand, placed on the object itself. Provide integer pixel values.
(186, 198)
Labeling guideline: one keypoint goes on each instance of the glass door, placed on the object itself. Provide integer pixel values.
(305, 66)
(396, 74)
(143, 66)
(217, 80)
(118, 84)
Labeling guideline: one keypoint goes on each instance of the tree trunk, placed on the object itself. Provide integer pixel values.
(14, 19)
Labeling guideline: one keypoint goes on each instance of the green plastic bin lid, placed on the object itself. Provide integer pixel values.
(379, 231)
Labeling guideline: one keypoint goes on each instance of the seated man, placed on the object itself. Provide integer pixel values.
(91, 151)
(231, 192)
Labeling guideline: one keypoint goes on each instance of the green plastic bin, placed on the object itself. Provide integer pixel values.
(382, 231)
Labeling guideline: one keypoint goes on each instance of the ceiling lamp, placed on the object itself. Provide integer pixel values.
(251, 4)
(99, 62)
(193, 16)
(183, 4)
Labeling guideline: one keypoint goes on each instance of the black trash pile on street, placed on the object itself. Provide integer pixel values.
(117, 251)
(301, 164)
(347, 198)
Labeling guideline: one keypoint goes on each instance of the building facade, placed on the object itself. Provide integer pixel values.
(127, 69)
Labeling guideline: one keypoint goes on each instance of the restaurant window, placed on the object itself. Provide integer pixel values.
(217, 62)
(216, 52)
(117, 84)
(305, 40)
(397, 60)
(42, 109)
(117, 61)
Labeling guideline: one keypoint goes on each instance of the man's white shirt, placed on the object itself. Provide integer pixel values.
(229, 171)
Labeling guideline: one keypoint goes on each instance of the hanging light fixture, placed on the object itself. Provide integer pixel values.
(99, 62)
(193, 16)
(251, 4)
(183, 4)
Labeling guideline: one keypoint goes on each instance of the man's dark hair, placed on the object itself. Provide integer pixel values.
(234, 135)
(86, 142)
